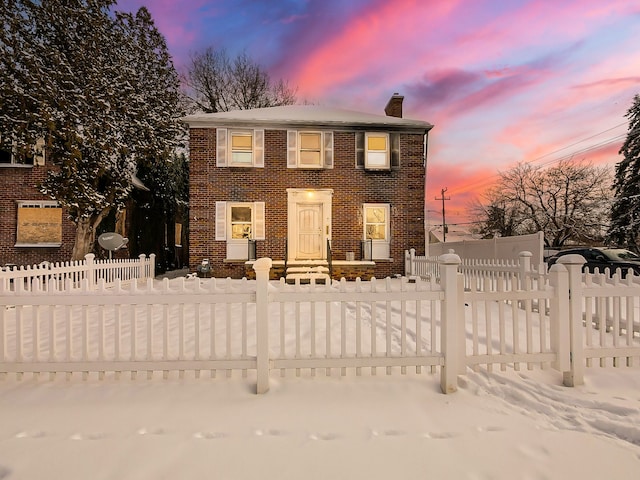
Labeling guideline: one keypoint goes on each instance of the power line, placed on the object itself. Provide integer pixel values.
(580, 141)
(590, 148)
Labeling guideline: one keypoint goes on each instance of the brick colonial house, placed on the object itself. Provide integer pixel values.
(33, 228)
(307, 186)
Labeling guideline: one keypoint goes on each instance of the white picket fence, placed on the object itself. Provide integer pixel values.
(75, 272)
(484, 273)
(343, 328)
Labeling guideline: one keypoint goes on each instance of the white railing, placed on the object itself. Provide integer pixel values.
(75, 272)
(605, 319)
(420, 266)
(481, 274)
(339, 328)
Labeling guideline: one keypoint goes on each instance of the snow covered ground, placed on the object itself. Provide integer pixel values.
(506, 425)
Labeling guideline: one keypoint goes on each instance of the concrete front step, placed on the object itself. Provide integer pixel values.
(305, 273)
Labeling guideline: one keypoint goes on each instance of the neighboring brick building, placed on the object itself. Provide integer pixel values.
(33, 228)
(308, 184)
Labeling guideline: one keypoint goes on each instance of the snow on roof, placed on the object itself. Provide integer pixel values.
(303, 115)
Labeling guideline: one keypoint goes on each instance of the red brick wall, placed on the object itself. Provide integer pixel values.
(402, 188)
(20, 183)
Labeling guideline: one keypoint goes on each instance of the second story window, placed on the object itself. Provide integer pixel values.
(6, 156)
(377, 150)
(11, 156)
(239, 148)
(242, 148)
(309, 149)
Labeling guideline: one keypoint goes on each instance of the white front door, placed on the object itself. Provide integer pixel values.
(309, 223)
(310, 236)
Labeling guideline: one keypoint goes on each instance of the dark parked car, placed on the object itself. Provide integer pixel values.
(603, 258)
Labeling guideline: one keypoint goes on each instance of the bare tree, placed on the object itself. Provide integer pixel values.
(568, 202)
(494, 218)
(218, 83)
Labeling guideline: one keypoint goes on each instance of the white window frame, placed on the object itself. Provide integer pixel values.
(38, 155)
(239, 151)
(294, 144)
(225, 150)
(238, 248)
(369, 164)
(380, 248)
(37, 204)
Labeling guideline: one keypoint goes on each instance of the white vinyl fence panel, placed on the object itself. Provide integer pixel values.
(518, 320)
(59, 275)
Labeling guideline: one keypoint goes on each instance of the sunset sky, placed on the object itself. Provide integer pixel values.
(503, 81)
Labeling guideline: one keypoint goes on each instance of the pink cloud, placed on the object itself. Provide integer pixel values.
(465, 185)
(367, 45)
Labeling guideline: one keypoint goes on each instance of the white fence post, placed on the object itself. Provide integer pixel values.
(524, 262)
(262, 266)
(142, 273)
(89, 261)
(152, 265)
(575, 376)
(412, 261)
(450, 322)
(407, 263)
(559, 318)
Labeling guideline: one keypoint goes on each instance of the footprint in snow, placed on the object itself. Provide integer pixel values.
(145, 431)
(269, 433)
(89, 436)
(323, 436)
(4, 472)
(439, 435)
(490, 429)
(209, 435)
(387, 433)
(34, 434)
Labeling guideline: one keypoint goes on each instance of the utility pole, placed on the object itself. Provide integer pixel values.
(444, 223)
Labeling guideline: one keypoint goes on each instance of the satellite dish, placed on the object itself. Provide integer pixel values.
(112, 241)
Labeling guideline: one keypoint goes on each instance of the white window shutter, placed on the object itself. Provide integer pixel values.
(258, 148)
(38, 154)
(221, 220)
(259, 232)
(292, 148)
(221, 147)
(328, 149)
